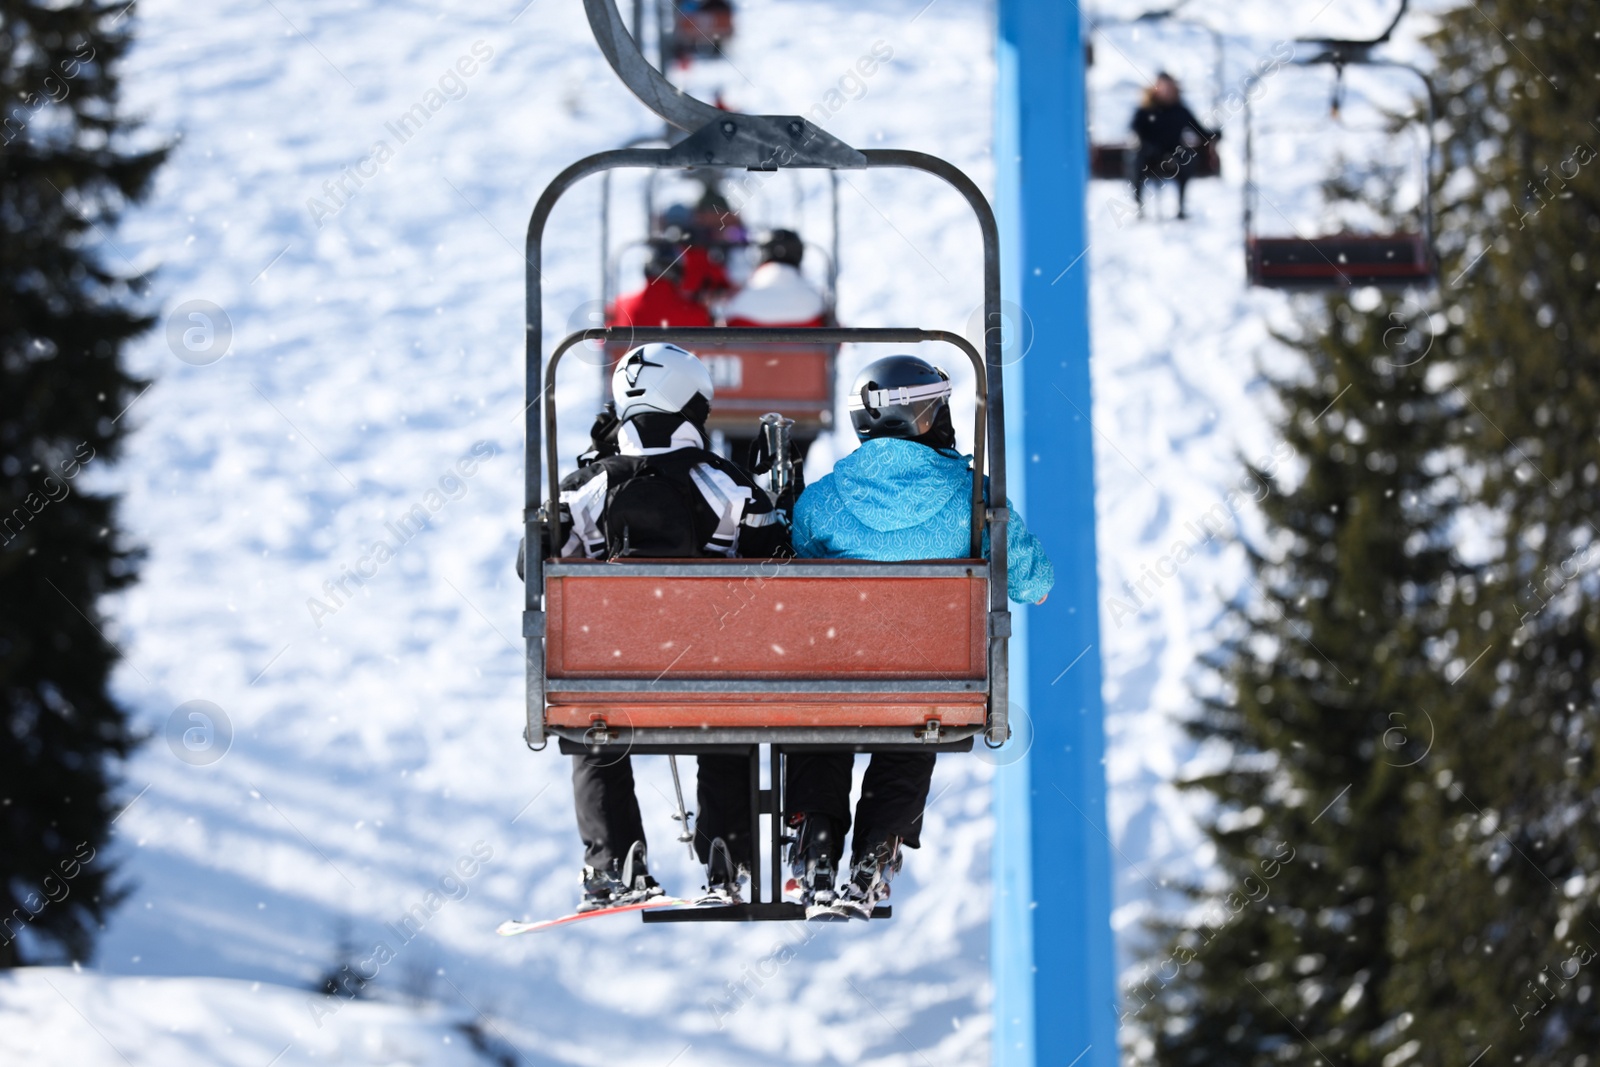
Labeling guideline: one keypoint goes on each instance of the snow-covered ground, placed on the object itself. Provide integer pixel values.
(367, 752)
(76, 1017)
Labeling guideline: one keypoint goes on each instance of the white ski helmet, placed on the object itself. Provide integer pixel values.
(658, 377)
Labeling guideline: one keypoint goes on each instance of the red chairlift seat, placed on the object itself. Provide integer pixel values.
(781, 651)
(1339, 260)
(726, 655)
(794, 379)
(1114, 162)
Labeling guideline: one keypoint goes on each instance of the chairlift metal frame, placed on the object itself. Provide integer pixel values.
(894, 695)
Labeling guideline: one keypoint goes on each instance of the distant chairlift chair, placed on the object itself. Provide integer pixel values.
(1343, 260)
(701, 29)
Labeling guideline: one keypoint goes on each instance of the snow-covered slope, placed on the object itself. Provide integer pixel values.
(375, 364)
(82, 1018)
(376, 739)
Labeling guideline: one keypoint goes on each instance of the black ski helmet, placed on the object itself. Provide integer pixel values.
(665, 262)
(783, 246)
(898, 396)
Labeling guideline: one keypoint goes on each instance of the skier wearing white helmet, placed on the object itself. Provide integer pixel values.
(652, 488)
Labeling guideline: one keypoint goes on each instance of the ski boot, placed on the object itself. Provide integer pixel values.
(722, 877)
(869, 880)
(814, 867)
(616, 884)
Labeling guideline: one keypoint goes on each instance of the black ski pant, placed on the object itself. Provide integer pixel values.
(1171, 164)
(608, 809)
(893, 794)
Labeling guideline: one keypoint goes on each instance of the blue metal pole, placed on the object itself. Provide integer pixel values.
(1052, 952)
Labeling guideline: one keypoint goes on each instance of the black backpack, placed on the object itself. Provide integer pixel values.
(653, 509)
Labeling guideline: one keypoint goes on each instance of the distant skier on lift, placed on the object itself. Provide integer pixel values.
(777, 293)
(904, 494)
(1161, 123)
(655, 490)
(662, 301)
(704, 277)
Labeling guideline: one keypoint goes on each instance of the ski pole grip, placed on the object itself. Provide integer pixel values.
(776, 435)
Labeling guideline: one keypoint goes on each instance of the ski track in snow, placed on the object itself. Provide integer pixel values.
(370, 354)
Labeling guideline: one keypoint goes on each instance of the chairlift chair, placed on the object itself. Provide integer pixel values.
(1114, 161)
(1343, 260)
(700, 29)
(728, 655)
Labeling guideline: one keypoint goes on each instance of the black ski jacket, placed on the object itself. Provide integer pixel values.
(731, 514)
(725, 514)
(1160, 128)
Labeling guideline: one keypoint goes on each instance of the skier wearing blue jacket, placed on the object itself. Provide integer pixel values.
(905, 494)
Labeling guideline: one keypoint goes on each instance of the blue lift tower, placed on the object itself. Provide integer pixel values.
(1052, 949)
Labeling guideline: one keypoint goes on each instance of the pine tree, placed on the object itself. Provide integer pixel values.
(1323, 684)
(65, 176)
(1509, 934)
(1448, 916)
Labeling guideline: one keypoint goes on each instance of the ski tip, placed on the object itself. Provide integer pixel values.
(511, 927)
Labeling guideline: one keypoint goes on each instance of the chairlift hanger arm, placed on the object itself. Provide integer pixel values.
(1339, 60)
(1339, 50)
(716, 137)
(1156, 14)
(645, 81)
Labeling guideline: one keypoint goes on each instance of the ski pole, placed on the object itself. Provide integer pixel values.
(683, 813)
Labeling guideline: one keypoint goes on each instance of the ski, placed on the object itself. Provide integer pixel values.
(511, 927)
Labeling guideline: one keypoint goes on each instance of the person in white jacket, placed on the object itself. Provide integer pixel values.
(777, 293)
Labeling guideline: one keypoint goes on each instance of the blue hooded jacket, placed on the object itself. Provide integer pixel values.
(892, 499)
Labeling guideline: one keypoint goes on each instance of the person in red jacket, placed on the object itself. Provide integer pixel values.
(703, 246)
(662, 301)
